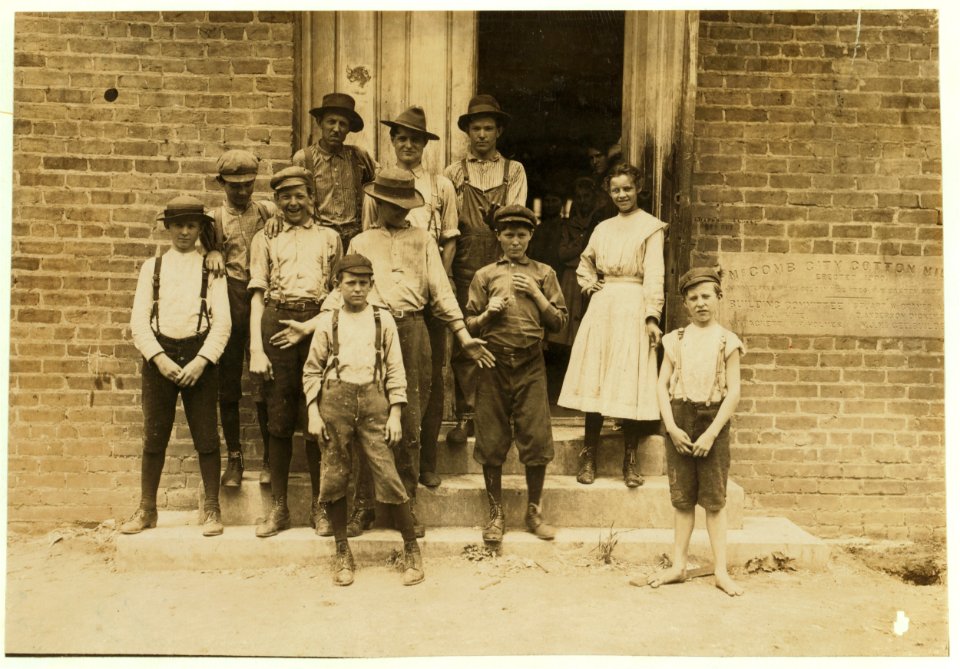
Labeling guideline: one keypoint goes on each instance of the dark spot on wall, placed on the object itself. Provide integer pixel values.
(110, 94)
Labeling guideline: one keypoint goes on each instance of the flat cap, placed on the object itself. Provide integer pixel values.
(238, 166)
(516, 214)
(353, 263)
(696, 275)
(184, 207)
(292, 176)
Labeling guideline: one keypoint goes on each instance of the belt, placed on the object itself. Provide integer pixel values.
(400, 314)
(296, 305)
(513, 351)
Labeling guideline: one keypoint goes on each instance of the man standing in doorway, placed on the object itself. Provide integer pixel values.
(438, 216)
(339, 170)
(484, 180)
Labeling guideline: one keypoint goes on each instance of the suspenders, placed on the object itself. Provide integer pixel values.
(719, 379)
(155, 310)
(333, 363)
(506, 172)
(310, 163)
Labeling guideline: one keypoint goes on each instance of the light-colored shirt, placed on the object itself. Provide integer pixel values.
(487, 174)
(297, 264)
(438, 215)
(357, 355)
(337, 184)
(702, 377)
(179, 305)
(522, 323)
(234, 232)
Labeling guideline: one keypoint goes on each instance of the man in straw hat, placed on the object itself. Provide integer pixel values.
(409, 278)
(339, 169)
(484, 180)
(438, 216)
(180, 324)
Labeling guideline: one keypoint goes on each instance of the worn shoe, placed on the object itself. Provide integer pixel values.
(493, 531)
(536, 524)
(277, 520)
(360, 520)
(419, 529)
(631, 473)
(412, 563)
(343, 565)
(429, 479)
(233, 474)
(322, 525)
(265, 473)
(457, 435)
(212, 525)
(587, 465)
(141, 520)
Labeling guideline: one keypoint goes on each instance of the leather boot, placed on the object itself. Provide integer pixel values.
(631, 470)
(277, 520)
(457, 435)
(233, 474)
(412, 563)
(141, 520)
(587, 465)
(493, 531)
(212, 525)
(343, 565)
(360, 520)
(322, 525)
(536, 524)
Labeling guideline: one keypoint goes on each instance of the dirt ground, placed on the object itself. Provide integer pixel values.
(64, 596)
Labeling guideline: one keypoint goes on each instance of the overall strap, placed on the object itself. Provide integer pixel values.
(333, 362)
(434, 224)
(378, 344)
(506, 170)
(204, 310)
(357, 179)
(677, 380)
(308, 160)
(466, 174)
(155, 311)
(719, 382)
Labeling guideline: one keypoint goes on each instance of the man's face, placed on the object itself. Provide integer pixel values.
(483, 133)
(598, 161)
(334, 129)
(238, 193)
(295, 203)
(514, 240)
(354, 288)
(408, 145)
(184, 233)
(393, 216)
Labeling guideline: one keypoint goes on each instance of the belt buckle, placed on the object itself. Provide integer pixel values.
(397, 313)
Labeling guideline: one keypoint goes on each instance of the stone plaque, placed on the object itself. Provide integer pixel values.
(857, 295)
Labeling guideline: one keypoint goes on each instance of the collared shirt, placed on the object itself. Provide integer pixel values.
(179, 305)
(296, 264)
(357, 355)
(438, 215)
(522, 323)
(487, 174)
(407, 271)
(337, 186)
(235, 231)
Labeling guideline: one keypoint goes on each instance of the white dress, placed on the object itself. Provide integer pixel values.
(613, 368)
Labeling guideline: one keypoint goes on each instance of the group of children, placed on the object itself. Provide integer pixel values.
(265, 288)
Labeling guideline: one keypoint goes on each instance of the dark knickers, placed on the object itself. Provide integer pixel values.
(693, 480)
(284, 393)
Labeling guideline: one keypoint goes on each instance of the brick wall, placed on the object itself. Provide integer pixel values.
(819, 132)
(89, 178)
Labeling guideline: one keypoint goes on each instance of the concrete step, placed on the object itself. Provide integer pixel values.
(461, 501)
(175, 545)
(567, 441)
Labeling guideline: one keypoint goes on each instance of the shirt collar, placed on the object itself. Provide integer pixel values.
(472, 157)
(504, 260)
(326, 156)
(305, 226)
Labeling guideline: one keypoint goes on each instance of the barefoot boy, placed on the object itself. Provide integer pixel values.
(698, 391)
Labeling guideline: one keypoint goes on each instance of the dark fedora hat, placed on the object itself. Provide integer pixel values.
(341, 103)
(184, 207)
(412, 118)
(483, 105)
(395, 186)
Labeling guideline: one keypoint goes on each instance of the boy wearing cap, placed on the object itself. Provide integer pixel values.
(355, 387)
(290, 276)
(180, 324)
(339, 169)
(484, 180)
(409, 279)
(698, 390)
(511, 302)
(234, 225)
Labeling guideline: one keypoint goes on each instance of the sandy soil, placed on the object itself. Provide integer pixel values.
(65, 597)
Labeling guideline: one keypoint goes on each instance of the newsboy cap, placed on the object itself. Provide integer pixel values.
(238, 166)
(354, 263)
(697, 275)
(515, 214)
(292, 176)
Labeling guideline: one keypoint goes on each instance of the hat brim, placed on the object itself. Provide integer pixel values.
(170, 218)
(290, 182)
(408, 202)
(356, 123)
(464, 121)
(500, 225)
(425, 133)
(239, 178)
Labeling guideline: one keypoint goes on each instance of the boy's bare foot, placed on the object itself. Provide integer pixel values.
(665, 576)
(727, 584)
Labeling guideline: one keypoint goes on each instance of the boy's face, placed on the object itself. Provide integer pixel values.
(184, 233)
(702, 302)
(483, 133)
(514, 240)
(296, 204)
(392, 215)
(238, 193)
(354, 288)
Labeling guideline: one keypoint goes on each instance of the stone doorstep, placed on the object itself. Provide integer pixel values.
(176, 544)
(461, 501)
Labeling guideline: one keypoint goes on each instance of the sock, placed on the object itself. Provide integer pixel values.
(337, 513)
(281, 450)
(592, 424)
(535, 476)
(210, 473)
(492, 477)
(151, 467)
(631, 433)
(403, 520)
(230, 420)
(313, 464)
(264, 434)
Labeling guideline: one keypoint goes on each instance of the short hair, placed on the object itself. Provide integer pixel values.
(394, 129)
(621, 170)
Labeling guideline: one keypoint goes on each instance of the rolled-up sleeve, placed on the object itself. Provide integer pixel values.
(259, 263)
(449, 216)
(316, 362)
(395, 379)
(555, 317)
(653, 272)
(143, 337)
(219, 305)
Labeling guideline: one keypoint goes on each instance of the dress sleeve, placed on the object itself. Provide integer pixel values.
(653, 274)
(587, 269)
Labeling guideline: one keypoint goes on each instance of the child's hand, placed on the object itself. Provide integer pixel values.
(290, 335)
(524, 285)
(393, 431)
(273, 228)
(260, 364)
(191, 372)
(315, 425)
(214, 264)
(167, 367)
(654, 332)
(681, 441)
(701, 447)
(498, 304)
(596, 287)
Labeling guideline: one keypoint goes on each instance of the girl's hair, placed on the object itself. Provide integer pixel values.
(622, 169)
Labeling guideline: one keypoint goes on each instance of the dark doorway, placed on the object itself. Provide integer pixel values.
(560, 77)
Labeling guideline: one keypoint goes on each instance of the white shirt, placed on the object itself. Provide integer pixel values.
(699, 353)
(179, 305)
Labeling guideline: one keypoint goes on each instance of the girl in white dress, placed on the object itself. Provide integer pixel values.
(613, 363)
